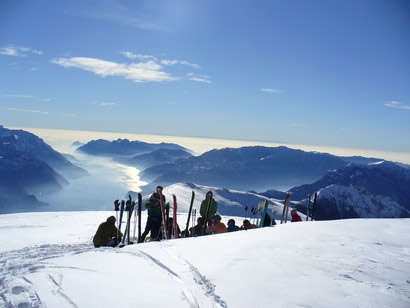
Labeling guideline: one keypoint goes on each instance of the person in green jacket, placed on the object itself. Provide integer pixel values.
(213, 207)
(107, 233)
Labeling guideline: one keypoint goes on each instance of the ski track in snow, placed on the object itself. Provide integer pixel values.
(205, 284)
(204, 294)
(15, 289)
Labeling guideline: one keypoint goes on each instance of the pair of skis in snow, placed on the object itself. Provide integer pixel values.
(128, 207)
(310, 208)
(174, 230)
(285, 212)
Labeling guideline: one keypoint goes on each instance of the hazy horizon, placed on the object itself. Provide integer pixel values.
(62, 140)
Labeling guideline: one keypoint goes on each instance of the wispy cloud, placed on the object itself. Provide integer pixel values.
(167, 62)
(131, 55)
(148, 71)
(25, 96)
(272, 91)
(298, 125)
(66, 114)
(114, 12)
(18, 51)
(27, 110)
(180, 62)
(199, 78)
(18, 95)
(104, 104)
(398, 105)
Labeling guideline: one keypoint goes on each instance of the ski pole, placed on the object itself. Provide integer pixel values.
(193, 223)
(139, 216)
(314, 205)
(186, 234)
(116, 209)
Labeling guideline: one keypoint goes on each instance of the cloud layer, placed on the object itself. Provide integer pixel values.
(18, 51)
(272, 91)
(148, 71)
(146, 68)
(397, 105)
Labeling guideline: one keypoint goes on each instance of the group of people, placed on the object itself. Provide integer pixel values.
(210, 222)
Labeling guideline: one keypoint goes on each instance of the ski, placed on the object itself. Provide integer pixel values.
(116, 209)
(264, 209)
(208, 208)
(128, 208)
(121, 213)
(314, 206)
(139, 216)
(175, 224)
(285, 212)
(164, 217)
(258, 212)
(308, 208)
(186, 234)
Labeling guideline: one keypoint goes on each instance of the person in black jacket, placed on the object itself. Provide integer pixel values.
(154, 220)
(107, 233)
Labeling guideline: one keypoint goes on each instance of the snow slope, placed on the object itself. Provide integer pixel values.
(338, 201)
(47, 260)
(230, 202)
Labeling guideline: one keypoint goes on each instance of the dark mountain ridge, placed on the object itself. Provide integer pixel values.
(124, 147)
(29, 167)
(386, 178)
(246, 168)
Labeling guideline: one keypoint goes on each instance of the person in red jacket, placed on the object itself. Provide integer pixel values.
(295, 216)
(217, 227)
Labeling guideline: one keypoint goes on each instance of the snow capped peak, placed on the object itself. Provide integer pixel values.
(377, 163)
(350, 201)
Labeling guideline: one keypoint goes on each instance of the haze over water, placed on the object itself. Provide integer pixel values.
(61, 140)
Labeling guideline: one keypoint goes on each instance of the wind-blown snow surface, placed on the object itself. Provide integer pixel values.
(47, 259)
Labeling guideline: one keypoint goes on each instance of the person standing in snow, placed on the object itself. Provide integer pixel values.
(208, 213)
(231, 226)
(154, 220)
(295, 216)
(106, 234)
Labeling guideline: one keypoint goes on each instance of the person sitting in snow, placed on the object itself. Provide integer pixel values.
(198, 228)
(247, 225)
(231, 226)
(107, 233)
(295, 216)
(217, 226)
(268, 221)
(171, 228)
(154, 220)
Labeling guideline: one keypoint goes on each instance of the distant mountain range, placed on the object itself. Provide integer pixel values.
(156, 157)
(379, 189)
(348, 187)
(124, 147)
(246, 168)
(29, 167)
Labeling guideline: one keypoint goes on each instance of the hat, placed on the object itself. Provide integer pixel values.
(217, 217)
(111, 219)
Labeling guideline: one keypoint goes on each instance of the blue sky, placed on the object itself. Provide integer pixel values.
(334, 73)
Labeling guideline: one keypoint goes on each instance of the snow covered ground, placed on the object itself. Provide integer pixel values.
(47, 260)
